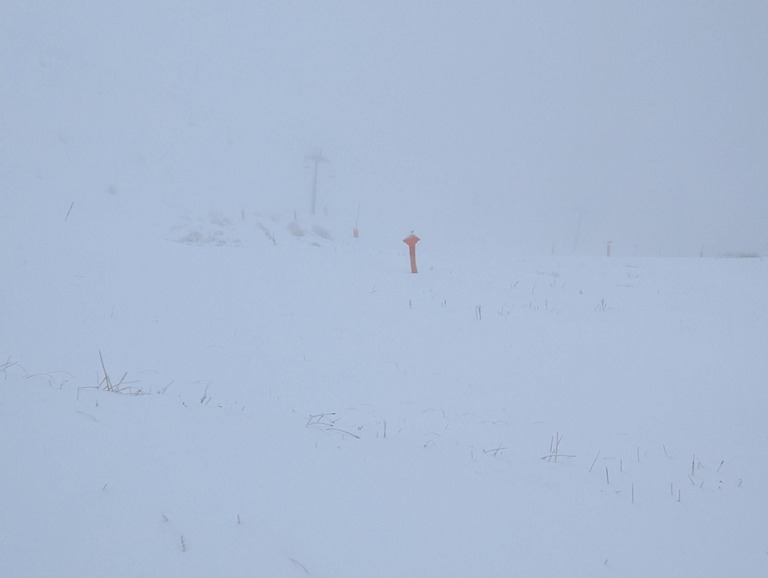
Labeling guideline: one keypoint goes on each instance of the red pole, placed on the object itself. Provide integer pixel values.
(411, 241)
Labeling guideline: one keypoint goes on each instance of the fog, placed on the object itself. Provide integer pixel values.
(525, 126)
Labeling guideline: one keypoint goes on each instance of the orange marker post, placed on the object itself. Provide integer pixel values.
(411, 241)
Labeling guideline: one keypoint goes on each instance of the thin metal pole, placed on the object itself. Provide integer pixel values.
(314, 185)
(317, 158)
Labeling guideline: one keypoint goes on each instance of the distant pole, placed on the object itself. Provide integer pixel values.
(608, 249)
(355, 231)
(317, 158)
(578, 232)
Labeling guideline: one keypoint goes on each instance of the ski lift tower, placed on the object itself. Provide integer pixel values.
(317, 158)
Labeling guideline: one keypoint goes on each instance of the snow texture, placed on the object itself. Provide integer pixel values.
(288, 405)
(198, 378)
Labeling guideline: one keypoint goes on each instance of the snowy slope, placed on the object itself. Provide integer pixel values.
(197, 378)
(295, 402)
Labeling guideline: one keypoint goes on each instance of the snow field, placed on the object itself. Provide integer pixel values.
(309, 407)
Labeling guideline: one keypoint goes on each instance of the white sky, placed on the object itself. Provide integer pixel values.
(557, 125)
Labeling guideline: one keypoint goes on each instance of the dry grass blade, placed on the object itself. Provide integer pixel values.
(121, 386)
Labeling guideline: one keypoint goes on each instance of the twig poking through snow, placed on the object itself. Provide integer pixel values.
(121, 386)
(299, 564)
(593, 461)
(554, 449)
(327, 424)
(495, 451)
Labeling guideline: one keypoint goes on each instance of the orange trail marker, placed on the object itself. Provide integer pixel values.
(411, 241)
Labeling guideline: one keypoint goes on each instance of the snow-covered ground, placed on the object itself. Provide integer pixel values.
(288, 400)
(198, 379)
